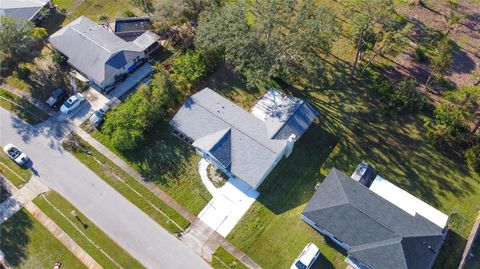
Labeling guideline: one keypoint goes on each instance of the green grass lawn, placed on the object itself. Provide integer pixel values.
(28, 245)
(21, 107)
(130, 188)
(20, 175)
(99, 238)
(221, 259)
(170, 163)
(93, 9)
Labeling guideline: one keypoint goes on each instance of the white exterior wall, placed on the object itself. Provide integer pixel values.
(110, 80)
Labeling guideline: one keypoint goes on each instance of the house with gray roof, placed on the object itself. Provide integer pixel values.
(101, 56)
(240, 143)
(375, 233)
(23, 10)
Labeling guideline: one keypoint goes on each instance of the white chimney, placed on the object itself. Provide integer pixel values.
(289, 146)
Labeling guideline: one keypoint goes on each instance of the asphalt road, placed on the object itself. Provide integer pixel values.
(132, 229)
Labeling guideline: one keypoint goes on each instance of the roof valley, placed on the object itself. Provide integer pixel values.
(237, 129)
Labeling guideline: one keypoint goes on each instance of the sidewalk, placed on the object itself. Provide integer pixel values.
(39, 104)
(199, 237)
(68, 242)
(20, 197)
(23, 198)
(471, 239)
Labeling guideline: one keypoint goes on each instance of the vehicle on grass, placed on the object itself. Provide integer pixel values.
(98, 116)
(57, 97)
(72, 102)
(364, 173)
(306, 259)
(15, 154)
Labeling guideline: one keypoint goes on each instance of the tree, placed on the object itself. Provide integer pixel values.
(174, 12)
(188, 68)
(127, 123)
(369, 18)
(272, 38)
(441, 60)
(17, 42)
(457, 118)
(390, 41)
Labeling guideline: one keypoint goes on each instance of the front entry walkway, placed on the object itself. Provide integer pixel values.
(229, 203)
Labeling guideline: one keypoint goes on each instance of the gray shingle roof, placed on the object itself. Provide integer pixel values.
(21, 10)
(380, 234)
(93, 50)
(251, 150)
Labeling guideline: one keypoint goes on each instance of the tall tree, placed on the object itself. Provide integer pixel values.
(174, 12)
(369, 18)
(269, 38)
(17, 42)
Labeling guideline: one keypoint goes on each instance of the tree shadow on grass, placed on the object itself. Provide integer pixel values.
(293, 180)
(15, 238)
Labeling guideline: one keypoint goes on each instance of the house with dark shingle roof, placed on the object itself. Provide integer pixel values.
(242, 144)
(375, 233)
(101, 56)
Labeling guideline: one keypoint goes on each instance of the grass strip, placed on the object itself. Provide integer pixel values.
(222, 259)
(85, 233)
(21, 107)
(129, 187)
(27, 244)
(17, 175)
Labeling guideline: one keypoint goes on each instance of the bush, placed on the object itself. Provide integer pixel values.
(23, 71)
(81, 85)
(58, 57)
(400, 96)
(104, 18)
(128, 13)
(127, 123)
(472, 157)
(191, 67)
(420, 54)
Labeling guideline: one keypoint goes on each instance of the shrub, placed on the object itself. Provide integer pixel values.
(128, 13)
(420, 54)
(400, 96)
(472, 157)
(127, 123)
(103, 18)
(58, 57)
(23, 71)
(192, 66)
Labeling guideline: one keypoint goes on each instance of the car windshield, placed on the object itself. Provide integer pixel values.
(70, 102)
(14, 152)
(300, 265)
(98, 114)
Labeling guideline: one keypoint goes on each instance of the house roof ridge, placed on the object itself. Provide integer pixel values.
(93, 41)
(232, 126)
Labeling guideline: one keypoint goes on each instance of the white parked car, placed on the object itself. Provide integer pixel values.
(306, 259)
(97, 117)
(15, 154)
(72, 102)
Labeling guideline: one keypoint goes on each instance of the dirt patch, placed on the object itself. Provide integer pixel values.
(432, 19)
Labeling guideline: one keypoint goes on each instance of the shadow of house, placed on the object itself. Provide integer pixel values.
(293, 180)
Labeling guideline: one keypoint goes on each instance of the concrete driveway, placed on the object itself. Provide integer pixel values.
(132, 229)
(229, 203)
